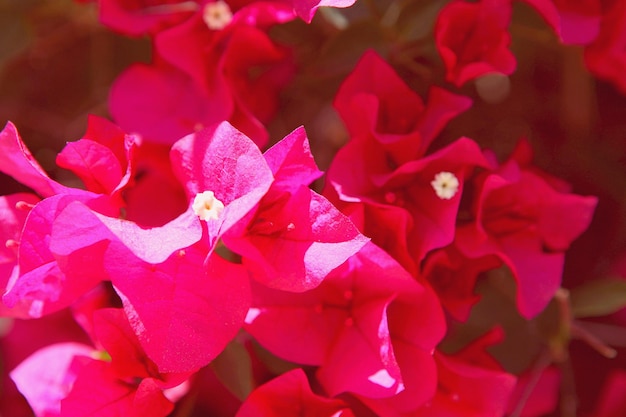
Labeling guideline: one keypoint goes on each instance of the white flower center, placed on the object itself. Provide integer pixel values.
(446, 185)
(206, 206)
(217, 15)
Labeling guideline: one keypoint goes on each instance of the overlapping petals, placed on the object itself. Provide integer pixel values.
(473, 39)
(350, 325)
(528, 224)
(290, 395)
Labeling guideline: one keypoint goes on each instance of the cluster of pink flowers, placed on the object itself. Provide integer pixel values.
(197, 259)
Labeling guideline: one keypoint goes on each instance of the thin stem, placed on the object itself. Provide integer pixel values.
(541, 363)
(592, 340)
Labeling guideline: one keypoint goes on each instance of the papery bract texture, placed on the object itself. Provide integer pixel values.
(349, 326)
(296, 236)
(224, 161)
(39, 285)
(204, 300)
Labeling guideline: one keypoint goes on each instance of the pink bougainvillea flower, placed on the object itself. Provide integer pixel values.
(374, 102)
(47, 376)
(576, 22)
(381, 177)
(470, 384)
(473, 40)
(225, 162)
(229, 180)
(104, 159)
(232, 71)
(351, 325)
(139, 17)
(13, 219)
(129, 384)
(528, 224)
(22, 339)
(288, 236)
(36, 284)
(453, 277)
(17, 161)
(297, 236)
(412, 209)
(605, 57)
(73, 379)
(289, 395)
(172, 293)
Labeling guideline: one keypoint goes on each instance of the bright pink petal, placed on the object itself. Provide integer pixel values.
(374, 93)
(17, 161)
(116, 336)
(47, 376)
(362, 359)
(95, 164)
(183, 311)
(108, 134)
(98, 392)
(40, 286)
(297, 327)
(77, 226)
(293, 245)
(223, 160)
(11, 224)
(291, 162)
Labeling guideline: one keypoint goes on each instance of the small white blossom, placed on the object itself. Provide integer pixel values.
(206, 206)
(446, 185)
(217, 15)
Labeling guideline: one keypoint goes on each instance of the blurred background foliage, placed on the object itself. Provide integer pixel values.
(57, 64)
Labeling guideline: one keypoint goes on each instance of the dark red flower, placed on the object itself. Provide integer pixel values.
(473, 40)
